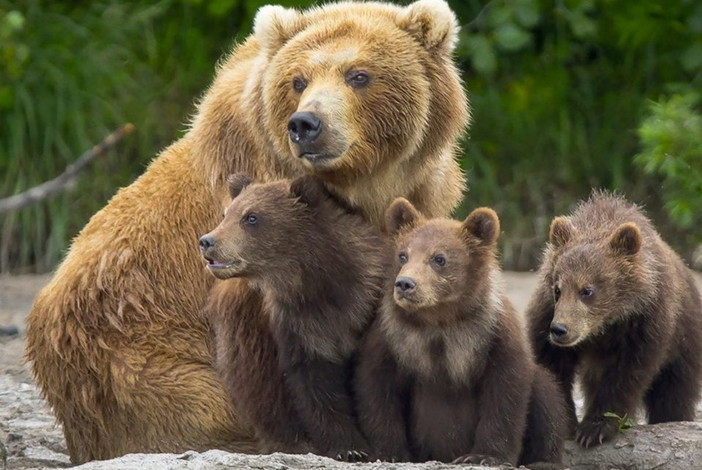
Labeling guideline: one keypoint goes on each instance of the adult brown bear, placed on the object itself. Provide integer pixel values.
(363, 95)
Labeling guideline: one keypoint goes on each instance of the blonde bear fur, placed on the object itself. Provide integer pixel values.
(117, 340)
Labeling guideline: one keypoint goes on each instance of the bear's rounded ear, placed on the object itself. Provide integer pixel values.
(482, 225)
(400, 215)
(432, 23)
(274, 25)
(237, 182)
(561, 231)
(626, 239)
(307, 189)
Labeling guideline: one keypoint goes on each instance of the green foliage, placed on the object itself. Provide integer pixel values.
(556, 111)
(558, 89)
(624, 423)
(671, 137)
(69, 74)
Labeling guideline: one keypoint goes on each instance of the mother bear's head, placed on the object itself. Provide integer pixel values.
(363, 95)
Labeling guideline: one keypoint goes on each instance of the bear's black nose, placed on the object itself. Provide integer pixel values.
(559, 330)
(304, 127)
(206, 242)
(405, 284)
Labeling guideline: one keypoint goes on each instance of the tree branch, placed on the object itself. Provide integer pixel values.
(66, 180)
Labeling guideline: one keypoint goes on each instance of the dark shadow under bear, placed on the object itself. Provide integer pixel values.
(319, 269)
(617, 305)
(445, 372)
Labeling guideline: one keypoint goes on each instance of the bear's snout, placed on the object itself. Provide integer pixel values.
(207, 244)
(559, 333)
(405, 285)
(304, 127)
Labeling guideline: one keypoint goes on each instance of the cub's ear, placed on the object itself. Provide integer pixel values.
(483, 225)
(401, 215)
(307, 189)
(432, 23)
(626, 239)
(274, 25)
(561, 231)
(237, 182)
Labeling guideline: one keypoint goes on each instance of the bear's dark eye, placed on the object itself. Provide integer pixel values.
(586, 292)
(402, 257)
(299, 84)
(439, 260)
(557, 293)
(251, 219)
(358, 79)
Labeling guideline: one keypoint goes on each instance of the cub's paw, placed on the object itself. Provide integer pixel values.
(351, 456)
(592, 432)
(479, 459)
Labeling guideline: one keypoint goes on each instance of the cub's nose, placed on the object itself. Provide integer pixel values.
(558, 330)
(405, 285)
(206, 242)
(304, 127)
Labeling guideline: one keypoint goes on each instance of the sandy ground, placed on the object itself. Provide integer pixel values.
(26, 425)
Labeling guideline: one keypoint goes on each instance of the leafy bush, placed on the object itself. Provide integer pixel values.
(671, 138)
(558, 89)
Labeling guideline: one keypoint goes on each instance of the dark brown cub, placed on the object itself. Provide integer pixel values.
(446, 372)
(319, 269)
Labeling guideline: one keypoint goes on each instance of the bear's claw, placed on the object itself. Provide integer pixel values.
(352, 456)
(596, 431)
(479, 459)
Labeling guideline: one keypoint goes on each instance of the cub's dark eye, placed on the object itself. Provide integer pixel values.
(586, 292)
(299, 84)
(402, 257)
(358, 79)
(251, 219)
(557, 293)
(439, 260)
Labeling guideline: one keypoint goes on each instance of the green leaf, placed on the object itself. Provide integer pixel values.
(527, 13)
(692, 58)
(511, 37)
(482, 54)
(582, 26)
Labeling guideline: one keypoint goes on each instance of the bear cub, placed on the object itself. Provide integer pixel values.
(445, 371)
(616, 304)
(320, 270)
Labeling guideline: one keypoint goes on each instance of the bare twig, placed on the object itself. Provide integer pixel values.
(65, 180)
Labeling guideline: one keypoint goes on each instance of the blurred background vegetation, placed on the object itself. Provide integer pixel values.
(566, 95)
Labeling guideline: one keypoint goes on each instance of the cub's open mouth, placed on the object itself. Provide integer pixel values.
(226, 269)
(214, 264)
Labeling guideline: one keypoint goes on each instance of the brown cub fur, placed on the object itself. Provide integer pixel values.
(319, 269)
(617, 304)
(445, 372)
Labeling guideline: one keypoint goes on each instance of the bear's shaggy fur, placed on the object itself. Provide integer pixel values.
(617, 305)
(117, 341)
(446, 372)
(320, 270)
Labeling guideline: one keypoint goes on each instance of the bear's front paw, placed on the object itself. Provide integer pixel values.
(480, 459)
(592, 432)
(351, 456)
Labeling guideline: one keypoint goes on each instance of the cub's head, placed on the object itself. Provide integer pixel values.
(441, 263)
(263, 228)
(351, 85)
(595, 283)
